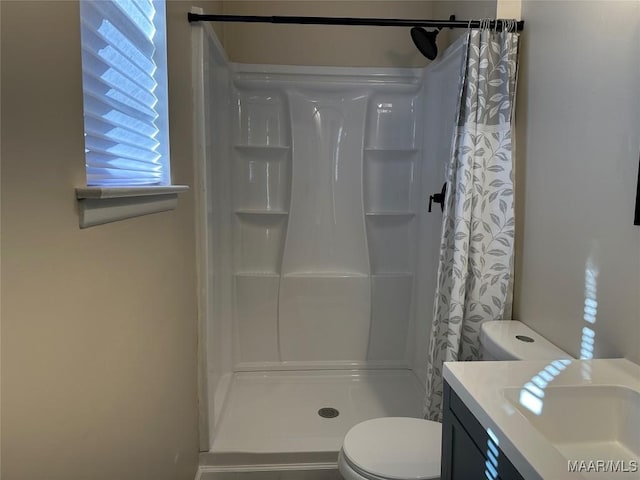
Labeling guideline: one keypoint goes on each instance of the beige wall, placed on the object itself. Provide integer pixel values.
(98, 325)
(324, 45)
(341, 45)
(579, 127)
(463, 10)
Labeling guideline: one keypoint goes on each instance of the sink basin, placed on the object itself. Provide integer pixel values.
(550, 418)
(585, 422)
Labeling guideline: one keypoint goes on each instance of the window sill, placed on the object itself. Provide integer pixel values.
(99, 205)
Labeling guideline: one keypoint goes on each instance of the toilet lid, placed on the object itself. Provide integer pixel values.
(395, 448)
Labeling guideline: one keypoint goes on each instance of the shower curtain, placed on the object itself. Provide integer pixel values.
(476, 248)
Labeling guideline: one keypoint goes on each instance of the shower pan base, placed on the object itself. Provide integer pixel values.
(272, 418)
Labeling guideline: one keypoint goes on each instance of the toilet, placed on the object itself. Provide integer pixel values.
(399, 448)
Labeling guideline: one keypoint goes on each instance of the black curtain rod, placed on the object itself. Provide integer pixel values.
(378, 22)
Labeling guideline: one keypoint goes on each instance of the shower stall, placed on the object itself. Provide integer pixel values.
(317, 255)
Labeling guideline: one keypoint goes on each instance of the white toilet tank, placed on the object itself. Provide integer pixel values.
(513, 340)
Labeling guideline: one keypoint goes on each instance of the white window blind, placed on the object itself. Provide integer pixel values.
(125, 92)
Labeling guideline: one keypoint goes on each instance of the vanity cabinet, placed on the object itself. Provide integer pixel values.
(466, 446)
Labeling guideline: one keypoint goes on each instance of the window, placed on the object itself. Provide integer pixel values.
(124, 78)
(126, 128)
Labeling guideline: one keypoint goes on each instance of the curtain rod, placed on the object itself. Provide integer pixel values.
(377, 22)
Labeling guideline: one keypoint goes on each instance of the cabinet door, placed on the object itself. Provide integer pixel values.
(464, 462)
(466, 444)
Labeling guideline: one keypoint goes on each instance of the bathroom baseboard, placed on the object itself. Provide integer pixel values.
(310, 471)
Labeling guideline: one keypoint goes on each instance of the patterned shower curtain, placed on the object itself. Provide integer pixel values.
(476, 248)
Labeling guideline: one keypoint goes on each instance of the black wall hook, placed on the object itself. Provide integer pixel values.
(438, 197)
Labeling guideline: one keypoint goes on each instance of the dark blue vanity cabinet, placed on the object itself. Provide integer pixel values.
(468, 452)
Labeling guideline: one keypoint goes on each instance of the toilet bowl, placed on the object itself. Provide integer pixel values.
(399, 448)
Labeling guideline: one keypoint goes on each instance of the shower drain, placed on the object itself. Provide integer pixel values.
(328, 412)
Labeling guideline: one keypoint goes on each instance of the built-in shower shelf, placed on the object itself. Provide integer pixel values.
(257, 274)
(261, 212)
(262, 149)
(326, 274)
(390, 214)
(392, 275)
(391, 151)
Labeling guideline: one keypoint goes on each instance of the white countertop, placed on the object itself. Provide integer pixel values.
(481, 385)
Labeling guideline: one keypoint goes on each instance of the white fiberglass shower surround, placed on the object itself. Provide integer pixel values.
(317, 256)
